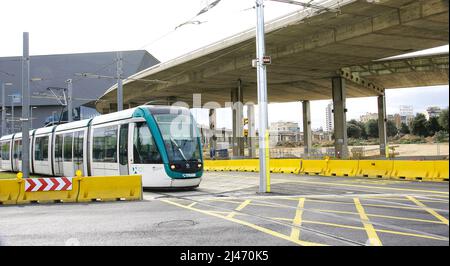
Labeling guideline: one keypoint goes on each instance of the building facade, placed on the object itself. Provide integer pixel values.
(329, 120)
(48, 86)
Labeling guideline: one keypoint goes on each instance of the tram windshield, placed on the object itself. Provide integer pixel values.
(178, 129)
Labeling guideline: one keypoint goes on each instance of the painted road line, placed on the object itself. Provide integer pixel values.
(239, 208)
(378, 230)
(295, 232)
(371, 187)
(374, 240)
(253, 226)
(429, 210)
(382, 216)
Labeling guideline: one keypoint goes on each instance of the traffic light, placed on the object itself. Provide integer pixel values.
(245, 121)
(245, 132)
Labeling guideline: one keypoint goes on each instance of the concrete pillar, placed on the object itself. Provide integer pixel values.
(307, 133)
(213, 137)
(237, 98)
(382, 124)
(339, 114)
(251, 130)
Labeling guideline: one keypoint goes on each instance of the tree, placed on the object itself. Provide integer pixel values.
(353, 131)
(419, 126)
(391, 128)
(433, 126)
(443, 119)
(404, 129)
(372, 128)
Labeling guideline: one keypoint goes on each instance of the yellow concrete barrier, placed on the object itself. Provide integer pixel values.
(313, 167)
(375, 168)
(110, 188)
(215, 165)
(441, 171)
(285, 166)
(341, 168)
(9, 191)
(413, 170)
(249, 165)
(43, 192)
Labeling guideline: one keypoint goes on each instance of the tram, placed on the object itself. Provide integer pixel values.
(161, 143)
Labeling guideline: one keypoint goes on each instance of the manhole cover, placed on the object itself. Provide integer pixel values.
(177, 223)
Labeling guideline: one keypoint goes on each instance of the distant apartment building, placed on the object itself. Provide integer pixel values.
(284, 131)
(329, 127)
(406, 114)
(432, 111)
(368, 116)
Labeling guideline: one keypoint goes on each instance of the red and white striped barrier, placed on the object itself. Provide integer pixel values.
(48, 184)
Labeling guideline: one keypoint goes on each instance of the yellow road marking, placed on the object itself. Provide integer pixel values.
(362, 186)
(382, 216)
(254, 226)
(378, 230)
(348, 185)
(239, 208)
(295, 232)
(335, 225)
(410, 234)
(429, 210)
(371, 205)
(370, 230)
(192, 204)
(400, 199)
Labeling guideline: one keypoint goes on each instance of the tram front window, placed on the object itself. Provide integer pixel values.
(180, 139)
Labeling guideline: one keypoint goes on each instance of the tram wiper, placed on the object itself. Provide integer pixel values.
(179, 149)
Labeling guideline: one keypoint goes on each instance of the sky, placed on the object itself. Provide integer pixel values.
(78, 26)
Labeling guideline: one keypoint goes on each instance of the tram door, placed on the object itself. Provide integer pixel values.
(144, 157)
(58, 155)
(123, 149)
(78, 150)
(17, 155)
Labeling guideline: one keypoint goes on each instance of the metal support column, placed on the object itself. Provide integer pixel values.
(339, 114)
(251, 130)
(237, 99)
(307, 133)
(25, 107)
(382, 124)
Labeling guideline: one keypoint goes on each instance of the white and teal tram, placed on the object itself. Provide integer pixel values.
(161, 143)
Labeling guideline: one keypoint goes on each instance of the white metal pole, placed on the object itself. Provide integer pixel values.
(119, 82)
(69, 101)
(3, 109)
(12, 116)
(264, 183)
(25, 106)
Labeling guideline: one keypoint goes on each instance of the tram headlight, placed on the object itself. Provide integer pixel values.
(199, 165)
(172, 166)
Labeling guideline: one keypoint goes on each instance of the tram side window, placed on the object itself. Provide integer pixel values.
(145, 150)
(41, 149)
(5, 151)
(105, 144)
(68, 139)
(78, 147)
